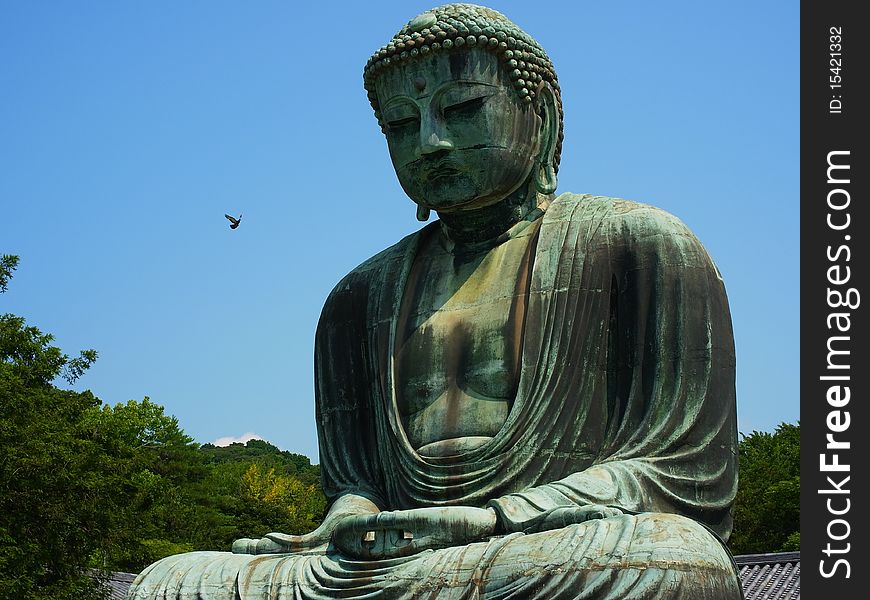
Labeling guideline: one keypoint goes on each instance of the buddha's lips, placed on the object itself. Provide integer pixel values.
(435, 168)
(441, 171)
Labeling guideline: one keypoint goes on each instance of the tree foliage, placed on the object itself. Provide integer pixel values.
(283, 501)
(87, 486)
(55, 479)
(8, 264)
(767, 509)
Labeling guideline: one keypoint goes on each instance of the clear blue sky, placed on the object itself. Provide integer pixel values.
(127, 130)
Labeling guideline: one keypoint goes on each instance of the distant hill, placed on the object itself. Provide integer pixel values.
(266, 455)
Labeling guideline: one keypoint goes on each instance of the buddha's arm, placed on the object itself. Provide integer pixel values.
(664, 392)
(630, 486)
(344, 387)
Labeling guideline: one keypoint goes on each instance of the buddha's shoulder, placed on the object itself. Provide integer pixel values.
(610, 214)
(372, 271)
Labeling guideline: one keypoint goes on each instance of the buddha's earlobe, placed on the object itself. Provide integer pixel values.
(422, 213)
(546, 181)
(545, 171)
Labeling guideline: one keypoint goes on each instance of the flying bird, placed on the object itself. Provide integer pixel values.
(234, 222)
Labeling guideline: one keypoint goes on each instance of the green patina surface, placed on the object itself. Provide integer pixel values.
(532, 395)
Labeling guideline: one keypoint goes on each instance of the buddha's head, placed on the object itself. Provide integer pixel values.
(470, 106)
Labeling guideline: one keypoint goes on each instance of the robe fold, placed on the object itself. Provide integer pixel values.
(626, 393)
(626, 399)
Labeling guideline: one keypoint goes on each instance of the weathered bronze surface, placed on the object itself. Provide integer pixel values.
(531, 397)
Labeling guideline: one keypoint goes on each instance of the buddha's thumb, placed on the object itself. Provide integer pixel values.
(245, 546)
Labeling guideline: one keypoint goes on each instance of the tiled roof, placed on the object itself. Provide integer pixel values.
(119, 583)
(774, 576)
(765, 577)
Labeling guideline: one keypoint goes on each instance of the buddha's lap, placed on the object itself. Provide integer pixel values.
(645, 556)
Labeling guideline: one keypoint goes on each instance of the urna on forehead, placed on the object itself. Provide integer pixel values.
(456, 27)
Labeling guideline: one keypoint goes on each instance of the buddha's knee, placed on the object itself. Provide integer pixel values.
(200, 575)
(639, 556)
(677, 557)
(667, 535)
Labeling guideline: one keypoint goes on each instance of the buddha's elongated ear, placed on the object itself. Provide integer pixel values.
(545, 171)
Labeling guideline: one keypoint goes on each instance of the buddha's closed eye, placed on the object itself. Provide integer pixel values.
(464, 107)
(403, 124)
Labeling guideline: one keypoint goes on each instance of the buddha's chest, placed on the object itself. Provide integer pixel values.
(458, 342)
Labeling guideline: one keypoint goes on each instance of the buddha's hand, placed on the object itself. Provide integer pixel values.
(406, 532)
(562, 516)
(278, 543)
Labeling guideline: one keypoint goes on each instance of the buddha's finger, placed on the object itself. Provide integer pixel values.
(357, 524)
(562, 517)
(245, 546)
(421, 520)
(396, 519)
(427, 542)
(287, 539)
(267, 546)
(370, 546)
(380, 522)
(351, 532)
(393, 544)
(596, 511)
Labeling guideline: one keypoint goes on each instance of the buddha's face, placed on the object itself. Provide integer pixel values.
(459, 136)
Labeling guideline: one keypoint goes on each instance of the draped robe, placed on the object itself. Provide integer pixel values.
(625, 398)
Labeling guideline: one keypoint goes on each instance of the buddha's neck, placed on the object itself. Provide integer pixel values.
(489, 222)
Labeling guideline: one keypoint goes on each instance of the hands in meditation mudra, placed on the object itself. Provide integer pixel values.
(531, 397)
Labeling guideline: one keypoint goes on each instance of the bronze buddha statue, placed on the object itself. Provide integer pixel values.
(530, 397)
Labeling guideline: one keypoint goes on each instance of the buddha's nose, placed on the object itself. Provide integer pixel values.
(433, 144)
(432, 140)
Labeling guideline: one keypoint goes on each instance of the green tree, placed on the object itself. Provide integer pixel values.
(182, 497)
(767, 508)
(267, 456)
(54, 493)
(8, 264)
(157, 466)
(275, 502)
(239, 473)
(85, 485)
